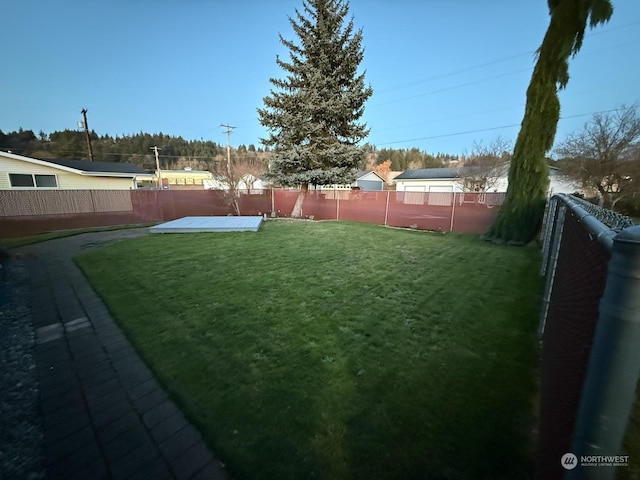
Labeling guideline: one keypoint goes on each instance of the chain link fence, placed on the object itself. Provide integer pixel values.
(30, 212)
(578, 241)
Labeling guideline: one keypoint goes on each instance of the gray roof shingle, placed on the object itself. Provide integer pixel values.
(362, 173)
(444, 173)
(428, 173)
(107, 167)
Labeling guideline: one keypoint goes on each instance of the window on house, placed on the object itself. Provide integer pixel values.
(21, 180)
(30, 180)
(46, 181)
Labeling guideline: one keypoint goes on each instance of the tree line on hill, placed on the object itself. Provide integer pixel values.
(603, 157)
(403, 159)
(178, 153)
(175, 151)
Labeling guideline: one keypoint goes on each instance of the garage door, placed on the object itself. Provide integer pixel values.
(413, 195)
(369, 185)
(440, 195)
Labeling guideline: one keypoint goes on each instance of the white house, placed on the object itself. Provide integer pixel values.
(24, 173)
(248, 183)
(434, 181)
(439, 180)
(186, 179)
(366, 180)
(369, 181)
(562, 183)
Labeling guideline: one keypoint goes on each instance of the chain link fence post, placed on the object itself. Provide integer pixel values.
(553, 240)
(578, 245)
(614, 366)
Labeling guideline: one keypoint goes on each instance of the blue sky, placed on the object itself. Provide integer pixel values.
(445, 74)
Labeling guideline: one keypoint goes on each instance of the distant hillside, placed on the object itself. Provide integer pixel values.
(175, 152)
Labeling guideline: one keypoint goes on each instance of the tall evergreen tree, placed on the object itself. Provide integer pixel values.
(313, 114)
(520, 217)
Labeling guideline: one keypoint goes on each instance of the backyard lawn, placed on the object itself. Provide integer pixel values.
(338, 350)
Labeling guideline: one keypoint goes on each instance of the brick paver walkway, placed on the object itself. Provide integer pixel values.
(103, 413)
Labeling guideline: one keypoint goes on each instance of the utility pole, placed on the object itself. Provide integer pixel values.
(158, 171)
(229, 128)
(86, 133)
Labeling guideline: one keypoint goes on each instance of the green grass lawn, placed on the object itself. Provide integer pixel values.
(338, 350)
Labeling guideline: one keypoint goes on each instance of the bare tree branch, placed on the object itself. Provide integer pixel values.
(605, 155)
(485, 165)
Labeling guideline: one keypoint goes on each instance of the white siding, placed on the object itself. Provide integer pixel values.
(4, 181)
(66, 180)
(70, 181)
(499, 185)
(563, 184)
(8, 166)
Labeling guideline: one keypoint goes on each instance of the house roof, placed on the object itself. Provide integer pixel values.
(556, 172)
(87, 166)
(362, 173)
(452, 173)
(428, 173)
(83, 167)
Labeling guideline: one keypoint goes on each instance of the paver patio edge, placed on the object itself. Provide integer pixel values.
(104, 414)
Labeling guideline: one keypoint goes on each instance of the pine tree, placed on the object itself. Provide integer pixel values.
(520, 217)
(313, 114)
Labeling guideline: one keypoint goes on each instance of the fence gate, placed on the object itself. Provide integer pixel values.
(590, 331)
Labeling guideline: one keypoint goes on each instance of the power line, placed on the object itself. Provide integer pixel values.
(453, 87)
(455, 72)
(483, 112)
(432, 137)
(475, 82)
(144, 155)
(607, 30)
(491, 62)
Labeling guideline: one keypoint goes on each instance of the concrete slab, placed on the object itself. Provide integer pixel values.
(209, 224)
